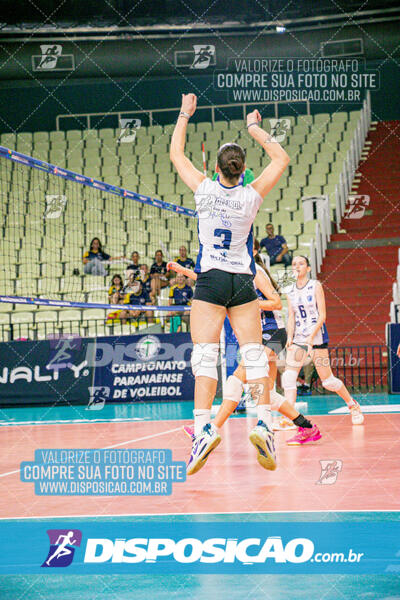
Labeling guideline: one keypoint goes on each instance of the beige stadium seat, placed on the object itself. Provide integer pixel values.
(67, 314)
(96, 329)
(46, 316)
(93, 314)
(22, 316)
(5, 307)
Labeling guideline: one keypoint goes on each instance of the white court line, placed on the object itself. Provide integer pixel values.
(127, 420)
(146, 437)
(70, 421)
(199, 514)
(369, 408)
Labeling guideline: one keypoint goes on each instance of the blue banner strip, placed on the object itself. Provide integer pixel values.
(67, 304)
(93, 547)
(29, 161)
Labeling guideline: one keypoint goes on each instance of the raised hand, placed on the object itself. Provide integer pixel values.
(253, 117)
(189, 103)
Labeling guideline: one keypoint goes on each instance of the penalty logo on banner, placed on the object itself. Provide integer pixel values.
(148, 347)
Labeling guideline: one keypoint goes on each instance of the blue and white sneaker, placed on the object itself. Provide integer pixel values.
(263, 439)
(203, 445)
(241, 406)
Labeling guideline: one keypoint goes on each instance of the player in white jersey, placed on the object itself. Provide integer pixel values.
(307, 335)
(225, 268)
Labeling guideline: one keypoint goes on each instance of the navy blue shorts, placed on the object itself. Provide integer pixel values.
(275, 339)
(225, 289)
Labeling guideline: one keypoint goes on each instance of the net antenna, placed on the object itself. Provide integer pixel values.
(204, 159)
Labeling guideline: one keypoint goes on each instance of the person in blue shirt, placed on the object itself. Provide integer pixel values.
(147, 283)
(183, 259)
(180, 294)
(136, 294)
(276, 247)
(185, 262)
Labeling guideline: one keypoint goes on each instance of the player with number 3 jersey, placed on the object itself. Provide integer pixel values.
(225, 267)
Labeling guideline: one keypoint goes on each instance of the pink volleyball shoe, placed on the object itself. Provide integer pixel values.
(189, 430)
(304, 435)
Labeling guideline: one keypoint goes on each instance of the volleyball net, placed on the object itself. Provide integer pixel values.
(49, 215)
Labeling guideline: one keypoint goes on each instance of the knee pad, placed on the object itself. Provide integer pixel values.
(233, 389)
(333, 384)
(276, 400)
(255, 361)
(204, 360)
(289, 379)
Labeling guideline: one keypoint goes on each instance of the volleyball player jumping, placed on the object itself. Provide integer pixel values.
(225, 268)
(307, 335)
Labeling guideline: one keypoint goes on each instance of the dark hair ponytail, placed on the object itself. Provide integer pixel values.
(231, 160)
(305, 258)
(259, 261)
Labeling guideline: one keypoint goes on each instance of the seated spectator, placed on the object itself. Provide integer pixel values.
(115, 292)
(96, 258)
(276, 247)
(180, 294)
(146, 281)
(159, 272)
(134, 266)
(186, 262)
(135, 294)
(183, 259)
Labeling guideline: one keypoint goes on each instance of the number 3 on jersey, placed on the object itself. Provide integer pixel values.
(226, 238)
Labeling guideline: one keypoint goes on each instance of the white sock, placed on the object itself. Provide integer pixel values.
(264, 414)
(202, 416)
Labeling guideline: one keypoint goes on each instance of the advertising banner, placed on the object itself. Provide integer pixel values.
(88, 548)
(56, 372)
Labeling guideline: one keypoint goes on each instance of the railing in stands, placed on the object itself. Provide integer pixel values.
(361, 368)
(212, 109)
(343, 189)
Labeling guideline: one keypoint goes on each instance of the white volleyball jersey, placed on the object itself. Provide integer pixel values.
(225, 227)
(306, 314)
(270, 319)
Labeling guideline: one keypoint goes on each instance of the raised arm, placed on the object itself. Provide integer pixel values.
(173, 266)
(191, 176)
(279, 157)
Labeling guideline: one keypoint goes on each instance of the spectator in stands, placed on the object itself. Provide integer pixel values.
(115, 292)
(183, 259)
(93, 260)
(135, 294)
(276, 247)
(146, 281)
(159, 273)
(180, 294)
(134, 266)
(186, 262)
